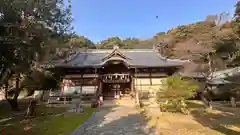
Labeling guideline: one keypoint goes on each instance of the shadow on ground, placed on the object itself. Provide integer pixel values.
(14, 122)
(225, 120)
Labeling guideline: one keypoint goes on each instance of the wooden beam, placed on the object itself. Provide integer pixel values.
(142, 74)
(80, 75)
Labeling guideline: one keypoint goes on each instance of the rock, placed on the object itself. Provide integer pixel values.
(80, 108)
(233, 102)
(27, 128)
(24, 121)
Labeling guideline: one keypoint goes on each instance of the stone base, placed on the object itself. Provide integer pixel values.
(78, 108)
(153, 103)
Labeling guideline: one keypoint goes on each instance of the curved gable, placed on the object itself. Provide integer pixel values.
(117, 54)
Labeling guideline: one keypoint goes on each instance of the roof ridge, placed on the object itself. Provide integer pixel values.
(168, 59)
(115, 52)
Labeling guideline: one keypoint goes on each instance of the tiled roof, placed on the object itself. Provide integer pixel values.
(217, 77)
(137, 58)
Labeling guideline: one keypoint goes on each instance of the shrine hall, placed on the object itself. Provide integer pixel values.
(110, 72)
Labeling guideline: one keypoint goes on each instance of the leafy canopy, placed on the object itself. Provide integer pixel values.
(177, 88)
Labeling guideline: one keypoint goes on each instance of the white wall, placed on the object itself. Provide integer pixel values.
(144, 84)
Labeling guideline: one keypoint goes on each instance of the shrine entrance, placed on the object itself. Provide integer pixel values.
(114, 91)
(116, 80)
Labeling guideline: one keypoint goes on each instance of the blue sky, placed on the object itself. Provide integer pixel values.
(100, 19)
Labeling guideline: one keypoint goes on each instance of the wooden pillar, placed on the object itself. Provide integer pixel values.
(81, 85)
(150, 76)
(96, 83)
(62, 86)
(136, 92)
(100, 86)
(132, 75)
(133, 84)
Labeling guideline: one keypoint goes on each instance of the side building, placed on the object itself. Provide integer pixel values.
(114, 71)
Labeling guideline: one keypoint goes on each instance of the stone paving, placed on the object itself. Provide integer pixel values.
(115, 120)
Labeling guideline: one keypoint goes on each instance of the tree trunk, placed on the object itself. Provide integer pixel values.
(161, 110)
(42, 96)
(16, 93)
(206, 102)
(4, 74)
(14, 101)
(14, 104)
(137, 99)
(31, 110)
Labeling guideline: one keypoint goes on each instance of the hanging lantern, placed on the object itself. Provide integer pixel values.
(121, 77)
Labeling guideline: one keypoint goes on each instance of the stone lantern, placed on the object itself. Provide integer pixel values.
(152, 98)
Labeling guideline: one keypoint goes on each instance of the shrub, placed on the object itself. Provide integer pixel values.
(174, 92)
(40, 80)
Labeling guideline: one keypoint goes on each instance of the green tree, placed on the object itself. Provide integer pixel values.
(130, 43)
(175, 91)
(75, 43)
(237, 11)
(236, 21)
(27, 29)
(80, 42)
(110, 42)
(45, 81)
